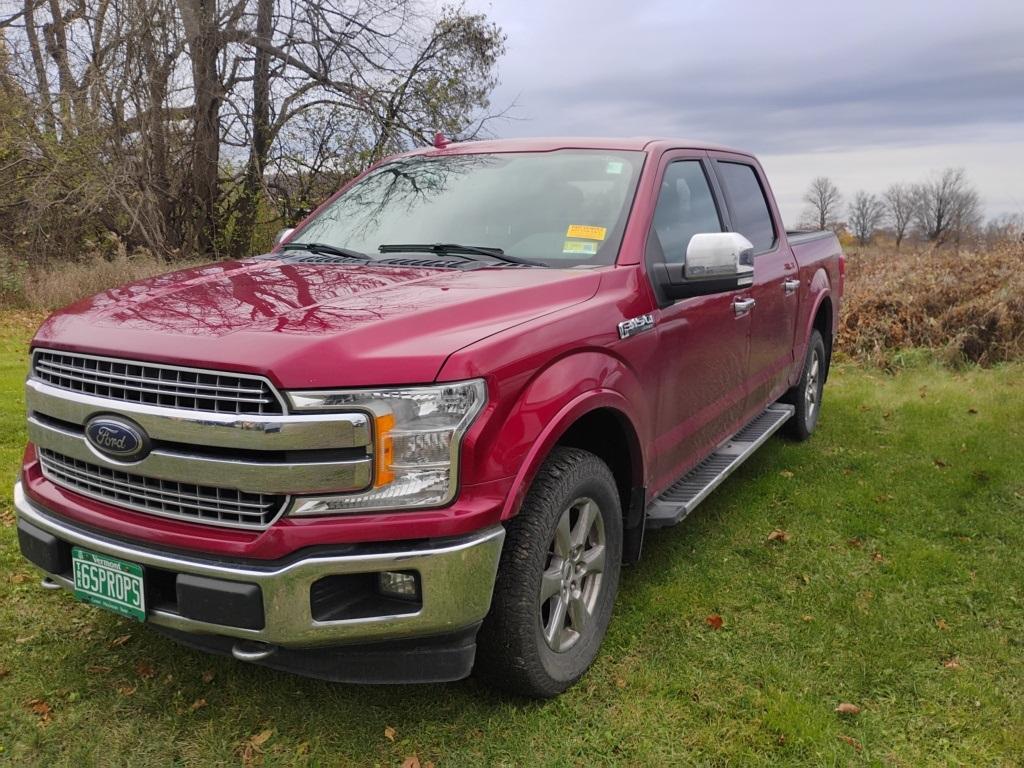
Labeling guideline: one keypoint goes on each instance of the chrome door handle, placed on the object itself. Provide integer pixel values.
(742, 306)
(790, 286)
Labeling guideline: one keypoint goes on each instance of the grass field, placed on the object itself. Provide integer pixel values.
(894, 584)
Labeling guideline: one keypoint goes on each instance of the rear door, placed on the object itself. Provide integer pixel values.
(775, 291)
(702, 341)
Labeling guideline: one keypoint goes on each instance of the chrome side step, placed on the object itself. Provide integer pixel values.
(691, 489)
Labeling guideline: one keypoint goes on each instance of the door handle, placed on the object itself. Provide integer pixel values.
(790, 286)
(742, 306)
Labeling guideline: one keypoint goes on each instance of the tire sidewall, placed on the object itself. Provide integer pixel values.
(806, 423)
(566, 667)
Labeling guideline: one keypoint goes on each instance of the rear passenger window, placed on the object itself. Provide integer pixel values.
(748, 208)
(685, 208)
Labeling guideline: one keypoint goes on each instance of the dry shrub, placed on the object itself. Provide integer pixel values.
(56, 284)
(968, 306)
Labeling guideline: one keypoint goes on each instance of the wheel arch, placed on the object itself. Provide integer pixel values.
(595, 421)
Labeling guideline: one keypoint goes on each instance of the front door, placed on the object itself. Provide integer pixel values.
(702, 341)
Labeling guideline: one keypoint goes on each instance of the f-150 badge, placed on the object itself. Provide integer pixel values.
(635, 325)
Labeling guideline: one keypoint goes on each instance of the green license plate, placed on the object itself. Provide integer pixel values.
(109, 583)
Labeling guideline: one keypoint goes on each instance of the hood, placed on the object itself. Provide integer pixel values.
(312, 325)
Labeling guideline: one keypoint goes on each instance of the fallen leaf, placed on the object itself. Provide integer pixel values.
(807, 618)
(25, 639)
(851, 741)
(779, 535)
(940, 463)
(877, 557)
(118, 641)
(262, 737)
(846, 708)
(887, 415)
(389, 733)
(145, 670)
(855, 542)
(941, 624)
(127, 690)
(951, 663)
(19, 578)
(972, 411)
(620, 682)
(411, 762)
(714, 621)
(41, 709)
(95, 669)
(208, 676)
(197, 705)
(786, 473)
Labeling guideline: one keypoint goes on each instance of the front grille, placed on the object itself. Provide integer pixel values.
(130, 381)
(166, 498)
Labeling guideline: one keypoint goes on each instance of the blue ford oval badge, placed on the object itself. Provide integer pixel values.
(117, 438)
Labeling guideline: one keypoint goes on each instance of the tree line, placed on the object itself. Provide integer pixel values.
(192, 127)
(945, 209)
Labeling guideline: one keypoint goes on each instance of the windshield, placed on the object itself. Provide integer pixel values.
(560, 209)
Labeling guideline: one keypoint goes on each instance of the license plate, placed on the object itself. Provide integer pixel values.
(109, 583)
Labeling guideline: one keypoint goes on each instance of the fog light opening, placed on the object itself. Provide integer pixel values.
(403, 585)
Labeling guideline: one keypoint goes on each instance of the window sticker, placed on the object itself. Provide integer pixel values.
(614, 167)
(585, 232)
(576, 247)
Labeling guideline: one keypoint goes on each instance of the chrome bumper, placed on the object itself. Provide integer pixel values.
(456, 581)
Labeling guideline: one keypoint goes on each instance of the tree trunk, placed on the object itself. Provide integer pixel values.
(252, 184)
(199, 17)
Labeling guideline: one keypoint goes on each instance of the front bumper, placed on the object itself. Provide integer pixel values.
(303, 601)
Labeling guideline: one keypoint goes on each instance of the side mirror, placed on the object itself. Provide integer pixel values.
(282, 234)
(716, 262)
(719, 254)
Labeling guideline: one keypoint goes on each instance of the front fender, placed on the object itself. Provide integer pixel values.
(551, 401)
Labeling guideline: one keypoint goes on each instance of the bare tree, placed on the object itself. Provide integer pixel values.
(866, 213)
(824, 203)
(947, 207)
(168, 124)
(898, 201)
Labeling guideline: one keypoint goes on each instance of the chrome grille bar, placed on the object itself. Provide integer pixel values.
(165, 498)
(156, 384)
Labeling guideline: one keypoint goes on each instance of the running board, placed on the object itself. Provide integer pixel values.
(692, 488)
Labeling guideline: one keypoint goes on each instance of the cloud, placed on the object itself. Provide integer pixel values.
(793, 78)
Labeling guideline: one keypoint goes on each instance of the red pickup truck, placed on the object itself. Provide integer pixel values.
(425, 432)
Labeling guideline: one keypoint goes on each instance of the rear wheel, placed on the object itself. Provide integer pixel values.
(557, 580)
(806, 395)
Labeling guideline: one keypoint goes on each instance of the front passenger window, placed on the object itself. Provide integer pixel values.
(686, 207)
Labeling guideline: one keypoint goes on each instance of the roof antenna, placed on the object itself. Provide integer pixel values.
(440, 142)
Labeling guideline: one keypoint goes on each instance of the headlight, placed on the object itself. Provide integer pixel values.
(417, 433)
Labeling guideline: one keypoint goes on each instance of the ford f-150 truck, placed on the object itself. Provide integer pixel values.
(425, 432)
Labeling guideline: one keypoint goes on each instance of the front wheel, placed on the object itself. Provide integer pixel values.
(557, 580)
(806, 395)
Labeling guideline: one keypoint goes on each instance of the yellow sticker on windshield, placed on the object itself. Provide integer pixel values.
(573, 246)
(587, 233)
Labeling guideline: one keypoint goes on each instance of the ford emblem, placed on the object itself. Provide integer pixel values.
(117, 438)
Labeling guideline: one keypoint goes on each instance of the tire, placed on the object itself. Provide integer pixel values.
(523, 645)
(806, 395)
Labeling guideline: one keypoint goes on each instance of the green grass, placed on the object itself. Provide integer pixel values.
(906, 521)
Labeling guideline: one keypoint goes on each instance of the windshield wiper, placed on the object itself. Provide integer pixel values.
(332, 250)
(456, 249)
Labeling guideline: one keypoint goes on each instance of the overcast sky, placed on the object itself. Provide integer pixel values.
(865, 92)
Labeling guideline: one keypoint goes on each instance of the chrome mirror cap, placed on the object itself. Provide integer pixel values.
(712, 255)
